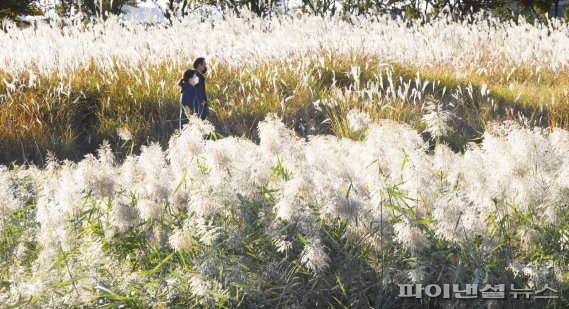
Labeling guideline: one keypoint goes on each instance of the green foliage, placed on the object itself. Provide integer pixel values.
(135, 265)
(532, 10)
(93, 7)
(12, 9)
(412, 12)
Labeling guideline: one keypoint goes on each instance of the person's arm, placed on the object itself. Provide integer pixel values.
(202, 88)
(185, 98)
(204, 92)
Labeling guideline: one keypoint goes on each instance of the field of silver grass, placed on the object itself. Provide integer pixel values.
(319, 221)
(121, 76)
(481, 44)
(288, 222)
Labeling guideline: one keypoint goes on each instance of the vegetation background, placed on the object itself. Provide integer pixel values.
(261, 207)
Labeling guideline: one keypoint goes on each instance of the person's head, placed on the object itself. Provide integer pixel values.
(200, 65)
(189, 77)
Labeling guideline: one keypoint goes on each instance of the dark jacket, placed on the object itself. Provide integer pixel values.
(203, 95)
(201, 87)
(190, 98)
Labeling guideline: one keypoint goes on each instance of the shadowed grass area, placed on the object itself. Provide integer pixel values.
(71, 113)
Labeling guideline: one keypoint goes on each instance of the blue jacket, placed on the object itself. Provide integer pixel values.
(191, 98)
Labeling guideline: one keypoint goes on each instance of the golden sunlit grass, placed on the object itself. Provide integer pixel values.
(72, 113)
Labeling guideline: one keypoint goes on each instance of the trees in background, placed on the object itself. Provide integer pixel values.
(537, 9)
(534, 10)
(11, 9)
(92, 7)
(180, 8)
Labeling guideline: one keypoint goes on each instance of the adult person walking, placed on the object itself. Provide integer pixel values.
(201, 68)
(189, 97)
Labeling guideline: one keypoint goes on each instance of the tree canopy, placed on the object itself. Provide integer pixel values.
(93, 7)
(11, 9)
(532, 9)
